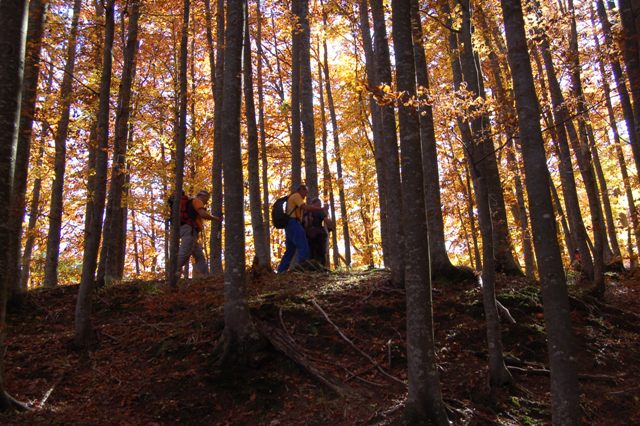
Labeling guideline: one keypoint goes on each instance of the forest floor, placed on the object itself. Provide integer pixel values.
(153, 362)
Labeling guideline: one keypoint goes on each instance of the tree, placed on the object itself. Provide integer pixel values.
(97, 195)
(37, 13)
(296, 47)
(564, 383)
(390, 146)
(114, 227)
(260, 241)
(336, 148)
(180, 141)
(239, 329)
(12, 21)
(57, 189)
(440, 264)
(631, 51)
(425, 397)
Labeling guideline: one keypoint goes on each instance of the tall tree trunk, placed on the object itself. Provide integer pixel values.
(215, 239)
(580, 147)
(424, 401)
(296, 138)
(389, 147)
(327, 185)
(561, 118)
(626, 108)
(136, 255)
(83, 327)
(306, 101)
(34, 212)
(484, 155)
(629, 10)
(263, 135)
(239, 328)
(114, 218)
(441, 266)
(378, 137)
(57, 188)
(564, 383)
(336, 150)
(12, 37)
(623, 93)
(37, 13)
(260, 242)
(180, 138)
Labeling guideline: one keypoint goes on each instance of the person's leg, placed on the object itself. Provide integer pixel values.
(290, 249)
(201, 262)
(299, 238)
(186, 245)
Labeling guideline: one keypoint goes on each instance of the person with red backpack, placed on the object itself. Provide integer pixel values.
(192, 215)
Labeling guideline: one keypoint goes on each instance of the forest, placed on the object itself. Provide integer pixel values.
(460, 178)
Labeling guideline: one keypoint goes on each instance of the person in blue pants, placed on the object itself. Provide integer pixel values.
(295, 236)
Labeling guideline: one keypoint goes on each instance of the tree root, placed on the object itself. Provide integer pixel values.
(283, 343)
(7, 403)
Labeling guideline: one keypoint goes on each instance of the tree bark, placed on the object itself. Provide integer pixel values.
(57, 188)
(296, 137)
(114, 218)
(263, 136)
(389, 147)
(12, 37)
(564, 381)
(83, 328)
(629, 10)
(180, 138)
(238, 325)
(306, 101)
(260, 242)
(441, 266)
(483, 154)
(37, 13)
(378, 137)
(424, 401)
(336, 150)
(215, 239)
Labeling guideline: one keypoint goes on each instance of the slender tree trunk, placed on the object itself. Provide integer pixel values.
(215, 239)
(83, 327)
(306, 101)
(238, 325)
(326, 172)
(181, 138)
(296, 137)
(37, 13)
(580, 147)
(424, 401)
(57, 188)
(114, 218)
(263, 135)
(484, 155)
(441, 266)
(12, 38)
(623, 93)
(566, 232)
(135, 242)
(337, 152)
(378, 137)
(34, 213)
(389, 148)
(260, 241)
(629, 10)
(560, 118)
(564, 383)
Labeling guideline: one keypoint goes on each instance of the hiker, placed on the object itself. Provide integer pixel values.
(295, 236)
(191, 224)
(317, 225)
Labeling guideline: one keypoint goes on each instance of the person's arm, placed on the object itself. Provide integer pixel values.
(328, 222)
(206, 215)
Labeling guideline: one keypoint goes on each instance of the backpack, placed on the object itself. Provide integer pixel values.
(279, 216)
(188, 214)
